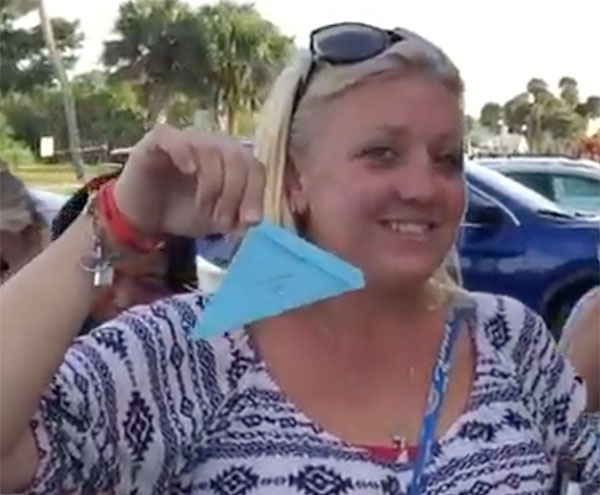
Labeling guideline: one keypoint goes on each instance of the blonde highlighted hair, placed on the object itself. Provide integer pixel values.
(283, 131)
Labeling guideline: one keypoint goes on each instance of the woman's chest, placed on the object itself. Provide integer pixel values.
(262, 445)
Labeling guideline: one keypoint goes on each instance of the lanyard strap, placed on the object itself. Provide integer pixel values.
(435, 398)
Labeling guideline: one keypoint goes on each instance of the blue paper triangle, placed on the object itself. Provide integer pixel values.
(272, 272)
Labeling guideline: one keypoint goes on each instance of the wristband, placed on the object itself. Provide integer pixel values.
(120, 227)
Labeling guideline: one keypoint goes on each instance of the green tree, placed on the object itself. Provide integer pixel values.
(246, 53)
(491, 116)
(24, 59)
(569, 91)
(161, 46)
(538, 88)
(517, 112)
(114, 117)
(563, 124)
(593, 105)
(590, 109)
(12, 151)
(36, 114)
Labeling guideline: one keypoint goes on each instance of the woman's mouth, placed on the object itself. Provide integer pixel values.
(412, 230)
(408, 227)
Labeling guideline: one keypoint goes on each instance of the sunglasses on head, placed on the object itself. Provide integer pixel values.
(343, 44)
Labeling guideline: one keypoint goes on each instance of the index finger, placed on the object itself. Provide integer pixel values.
(252, 205)
(171, 144)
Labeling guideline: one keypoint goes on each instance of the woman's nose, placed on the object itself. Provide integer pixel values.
(414, 180)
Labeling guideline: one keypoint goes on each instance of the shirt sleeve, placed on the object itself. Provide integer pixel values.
(125, 401)
(557, 398)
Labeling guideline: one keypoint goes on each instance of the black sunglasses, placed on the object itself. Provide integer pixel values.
(344, 43)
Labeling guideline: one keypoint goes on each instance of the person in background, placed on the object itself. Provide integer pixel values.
(580, 341)
(23, 230)
(138, 280)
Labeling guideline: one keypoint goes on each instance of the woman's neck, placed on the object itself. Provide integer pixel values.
(368, 318)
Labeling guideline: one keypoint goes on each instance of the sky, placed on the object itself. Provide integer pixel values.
(497, 44)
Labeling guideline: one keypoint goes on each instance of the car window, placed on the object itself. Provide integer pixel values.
(476, 202)
(578, 186)
(578, 193)
(505, 186)
(541, 183)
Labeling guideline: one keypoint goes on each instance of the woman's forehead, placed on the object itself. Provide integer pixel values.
(400, 106)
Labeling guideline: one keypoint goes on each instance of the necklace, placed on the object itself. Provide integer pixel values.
(401, 446)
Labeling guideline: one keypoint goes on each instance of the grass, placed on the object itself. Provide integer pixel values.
(58, 178)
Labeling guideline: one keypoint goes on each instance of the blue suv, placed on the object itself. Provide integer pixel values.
(514, 241)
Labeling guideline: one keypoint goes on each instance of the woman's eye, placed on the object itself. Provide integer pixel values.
(381, 154)
(450, 162)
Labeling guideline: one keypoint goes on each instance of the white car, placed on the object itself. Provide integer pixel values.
(47, 203)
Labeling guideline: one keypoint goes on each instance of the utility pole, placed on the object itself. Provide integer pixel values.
(68, 101)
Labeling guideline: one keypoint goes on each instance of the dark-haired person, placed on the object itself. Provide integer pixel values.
(139, 279)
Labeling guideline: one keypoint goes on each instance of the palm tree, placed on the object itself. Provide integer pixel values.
(163, 48)
(569, 92)
(247, 51)
(68, 101)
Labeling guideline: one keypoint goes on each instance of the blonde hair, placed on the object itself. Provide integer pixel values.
(283, 130)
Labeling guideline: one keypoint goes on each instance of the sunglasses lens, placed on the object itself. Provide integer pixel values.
(348, 43)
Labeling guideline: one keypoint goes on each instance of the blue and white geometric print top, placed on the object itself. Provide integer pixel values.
(137, 407)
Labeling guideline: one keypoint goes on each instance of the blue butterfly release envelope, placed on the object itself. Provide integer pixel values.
(272, 272)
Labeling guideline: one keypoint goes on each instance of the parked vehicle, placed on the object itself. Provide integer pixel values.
(516, 242)
(573, 184)
(47, 203)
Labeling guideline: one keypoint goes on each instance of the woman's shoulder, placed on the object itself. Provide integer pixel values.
(490, 306)
(506, 324)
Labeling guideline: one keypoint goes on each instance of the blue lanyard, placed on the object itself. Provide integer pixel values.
(435, 398)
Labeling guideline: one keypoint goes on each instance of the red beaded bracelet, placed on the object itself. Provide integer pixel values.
(120, 227)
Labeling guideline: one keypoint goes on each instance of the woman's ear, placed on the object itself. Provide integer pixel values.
(295, 190)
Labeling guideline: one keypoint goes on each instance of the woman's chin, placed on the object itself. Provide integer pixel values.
(398, 277)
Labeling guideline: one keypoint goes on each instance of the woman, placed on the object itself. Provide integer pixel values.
(23, 231)
(140, 280)
(580, 341)
(362, 147)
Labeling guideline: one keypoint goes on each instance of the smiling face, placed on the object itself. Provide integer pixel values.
(382, 184)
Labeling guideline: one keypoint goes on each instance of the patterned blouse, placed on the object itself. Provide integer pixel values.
(137, 407)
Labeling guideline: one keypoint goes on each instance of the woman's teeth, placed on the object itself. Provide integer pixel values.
(407, 227)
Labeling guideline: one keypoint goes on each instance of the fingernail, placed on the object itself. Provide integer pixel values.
(252, 216)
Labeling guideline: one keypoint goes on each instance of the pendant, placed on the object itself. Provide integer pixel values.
(401, 448)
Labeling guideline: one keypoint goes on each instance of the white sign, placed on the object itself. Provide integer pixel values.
(46, 146)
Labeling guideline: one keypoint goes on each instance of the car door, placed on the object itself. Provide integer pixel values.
(491, 245)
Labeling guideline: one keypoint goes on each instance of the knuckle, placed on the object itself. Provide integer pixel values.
(160, 130)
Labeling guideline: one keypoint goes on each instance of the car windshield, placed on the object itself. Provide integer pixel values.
(512, 188)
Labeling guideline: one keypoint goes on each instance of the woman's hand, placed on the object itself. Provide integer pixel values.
(192, 184)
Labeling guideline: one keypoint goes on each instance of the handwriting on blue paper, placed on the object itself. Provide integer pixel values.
(272, 272)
